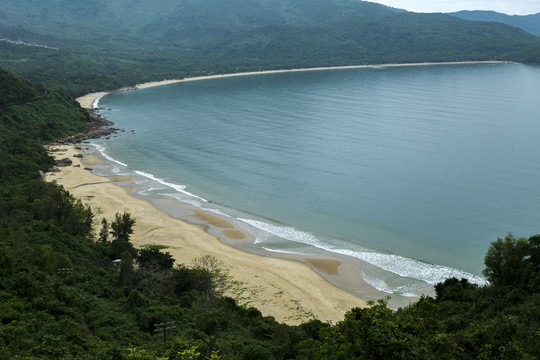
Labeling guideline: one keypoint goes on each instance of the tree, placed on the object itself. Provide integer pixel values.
(455, 290)
(122, 226)
(119, 247)
(512, 261)
(126, 269)
(154, 257)
(212, 278)
(104, 232)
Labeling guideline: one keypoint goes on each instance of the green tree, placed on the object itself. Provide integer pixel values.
(126, 269)
(118, 247)
(509, 261)
(122, 226)
(154, 257)
(104, 232)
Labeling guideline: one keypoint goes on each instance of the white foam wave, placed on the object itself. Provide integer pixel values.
(378, 283)
(95, 104)
(414, 269)
(282, 251)
(285, 232)
(184, 199)
(216, 211)
(155, 188)
(381, 285)
(179, 188)
(102, 152)
(400, 265)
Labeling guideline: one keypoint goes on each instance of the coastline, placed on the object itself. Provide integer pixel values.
(89, 101)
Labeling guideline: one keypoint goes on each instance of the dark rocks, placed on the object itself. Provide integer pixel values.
(64, 162)
(97, 127)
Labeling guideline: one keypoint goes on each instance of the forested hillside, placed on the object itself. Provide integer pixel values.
(62, 298)
(96, 45)
(529, 23)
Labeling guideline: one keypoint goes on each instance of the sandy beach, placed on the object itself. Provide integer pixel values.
(288, 290)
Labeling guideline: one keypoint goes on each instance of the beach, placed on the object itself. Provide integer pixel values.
(290, 291)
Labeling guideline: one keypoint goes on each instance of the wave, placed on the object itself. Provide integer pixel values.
(179, 188)
(102, 152)
(95, 104)
(282, 251)
(410, 268)
(397, 264)
(286, 232)
(184, 199)
(379, 284)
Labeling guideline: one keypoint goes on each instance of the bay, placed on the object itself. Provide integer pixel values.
(412, 169)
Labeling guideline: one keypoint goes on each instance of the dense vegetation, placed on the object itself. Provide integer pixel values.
(62, 298)
(529, 23)
(98, 45)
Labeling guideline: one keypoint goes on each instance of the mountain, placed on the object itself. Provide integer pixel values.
(104, 44)
(529, 23)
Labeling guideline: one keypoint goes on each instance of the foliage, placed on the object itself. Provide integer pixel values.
(104, 232)
(529, 23)
(513, 262)
(154, 257)
(122, 226)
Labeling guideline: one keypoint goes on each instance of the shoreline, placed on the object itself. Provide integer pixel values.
(91, 100)
(289, 290)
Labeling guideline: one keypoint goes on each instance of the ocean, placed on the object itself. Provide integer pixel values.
(403, 174)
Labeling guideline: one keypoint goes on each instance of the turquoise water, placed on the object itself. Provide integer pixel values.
(414, 170)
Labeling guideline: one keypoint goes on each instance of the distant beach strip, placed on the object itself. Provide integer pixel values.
(91, 101)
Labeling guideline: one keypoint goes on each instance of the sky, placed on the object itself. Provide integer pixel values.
(510, 7)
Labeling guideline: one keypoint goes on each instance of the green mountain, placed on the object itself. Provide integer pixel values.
(107, 44)
(529, 23)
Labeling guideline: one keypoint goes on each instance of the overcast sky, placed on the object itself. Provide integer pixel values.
(515, 7)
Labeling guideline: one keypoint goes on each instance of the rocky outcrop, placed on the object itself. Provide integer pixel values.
(64, 162)
(98, 126)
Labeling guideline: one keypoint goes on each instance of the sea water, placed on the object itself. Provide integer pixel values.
(409, 172)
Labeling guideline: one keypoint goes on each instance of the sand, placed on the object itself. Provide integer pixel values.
(288, 290)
